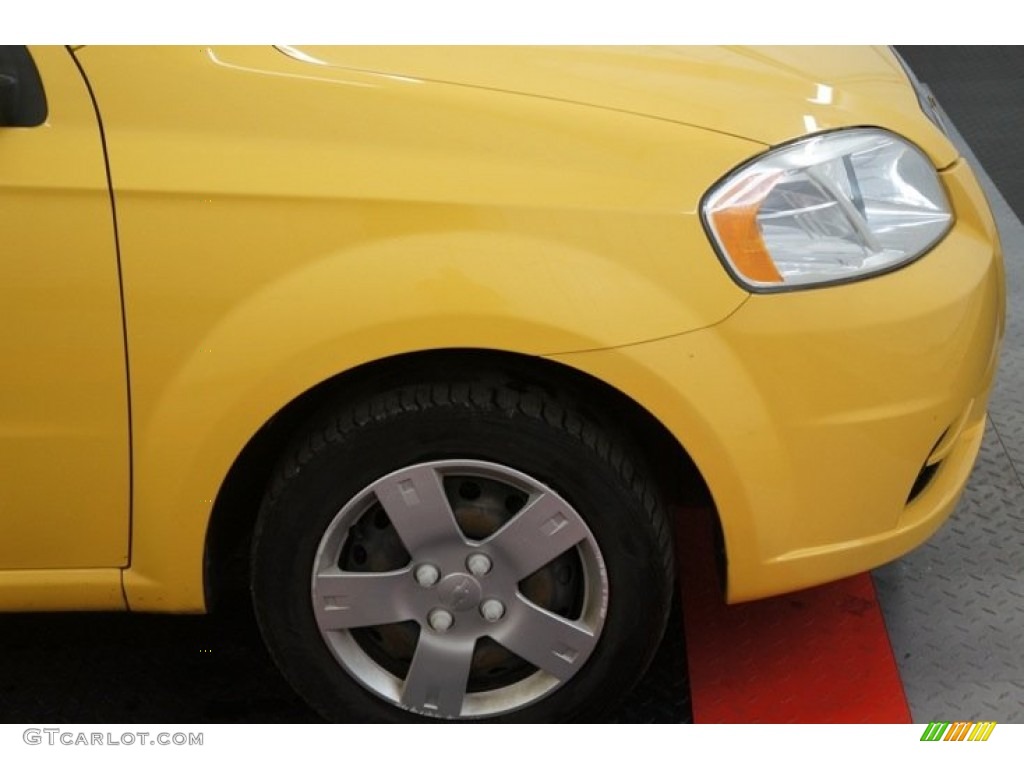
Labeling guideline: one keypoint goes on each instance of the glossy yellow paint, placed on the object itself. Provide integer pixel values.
(63, 401)
(769, 94)
(328, 218)
(811, 413)
(287, 215)
(62, 589)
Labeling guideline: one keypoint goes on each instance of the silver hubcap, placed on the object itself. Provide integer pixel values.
(459, 589)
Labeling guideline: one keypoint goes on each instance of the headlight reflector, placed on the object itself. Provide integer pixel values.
(834, 207)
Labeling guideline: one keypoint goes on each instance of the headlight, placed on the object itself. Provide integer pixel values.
(830, 208)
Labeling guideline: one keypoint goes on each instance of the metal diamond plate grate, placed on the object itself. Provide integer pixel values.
(955, 606)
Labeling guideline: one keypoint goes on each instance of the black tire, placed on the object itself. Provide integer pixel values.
(487, 445)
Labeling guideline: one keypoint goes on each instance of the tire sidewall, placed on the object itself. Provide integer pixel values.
(593, 481)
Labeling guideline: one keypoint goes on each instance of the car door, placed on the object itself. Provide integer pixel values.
(64, 436)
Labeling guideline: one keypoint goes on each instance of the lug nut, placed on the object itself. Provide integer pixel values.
(427, 575)
(440, 620)
(492, 609)
(478, 564)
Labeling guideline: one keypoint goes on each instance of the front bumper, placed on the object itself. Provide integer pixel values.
(813, 415)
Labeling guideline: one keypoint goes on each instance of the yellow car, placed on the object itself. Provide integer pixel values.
(429, 346)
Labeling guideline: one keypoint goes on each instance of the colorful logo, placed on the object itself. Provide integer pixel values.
(958, 731)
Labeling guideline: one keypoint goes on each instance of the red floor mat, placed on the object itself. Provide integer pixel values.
(817, 656)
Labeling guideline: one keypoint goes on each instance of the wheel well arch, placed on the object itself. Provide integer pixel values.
(226, 554)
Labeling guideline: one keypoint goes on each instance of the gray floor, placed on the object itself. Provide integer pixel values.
(955, 606)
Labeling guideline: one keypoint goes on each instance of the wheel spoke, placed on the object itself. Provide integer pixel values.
(459, 590)
(436, 683)
(345, 600)
(415, 502)
(543, 530)
(548, 641)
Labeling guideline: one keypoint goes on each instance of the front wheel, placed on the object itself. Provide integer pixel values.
(461, 551)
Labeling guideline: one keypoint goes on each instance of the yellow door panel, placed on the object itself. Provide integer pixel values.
(70, 589)
(64, 466)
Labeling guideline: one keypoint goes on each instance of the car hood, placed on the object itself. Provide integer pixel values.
(770, 95)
